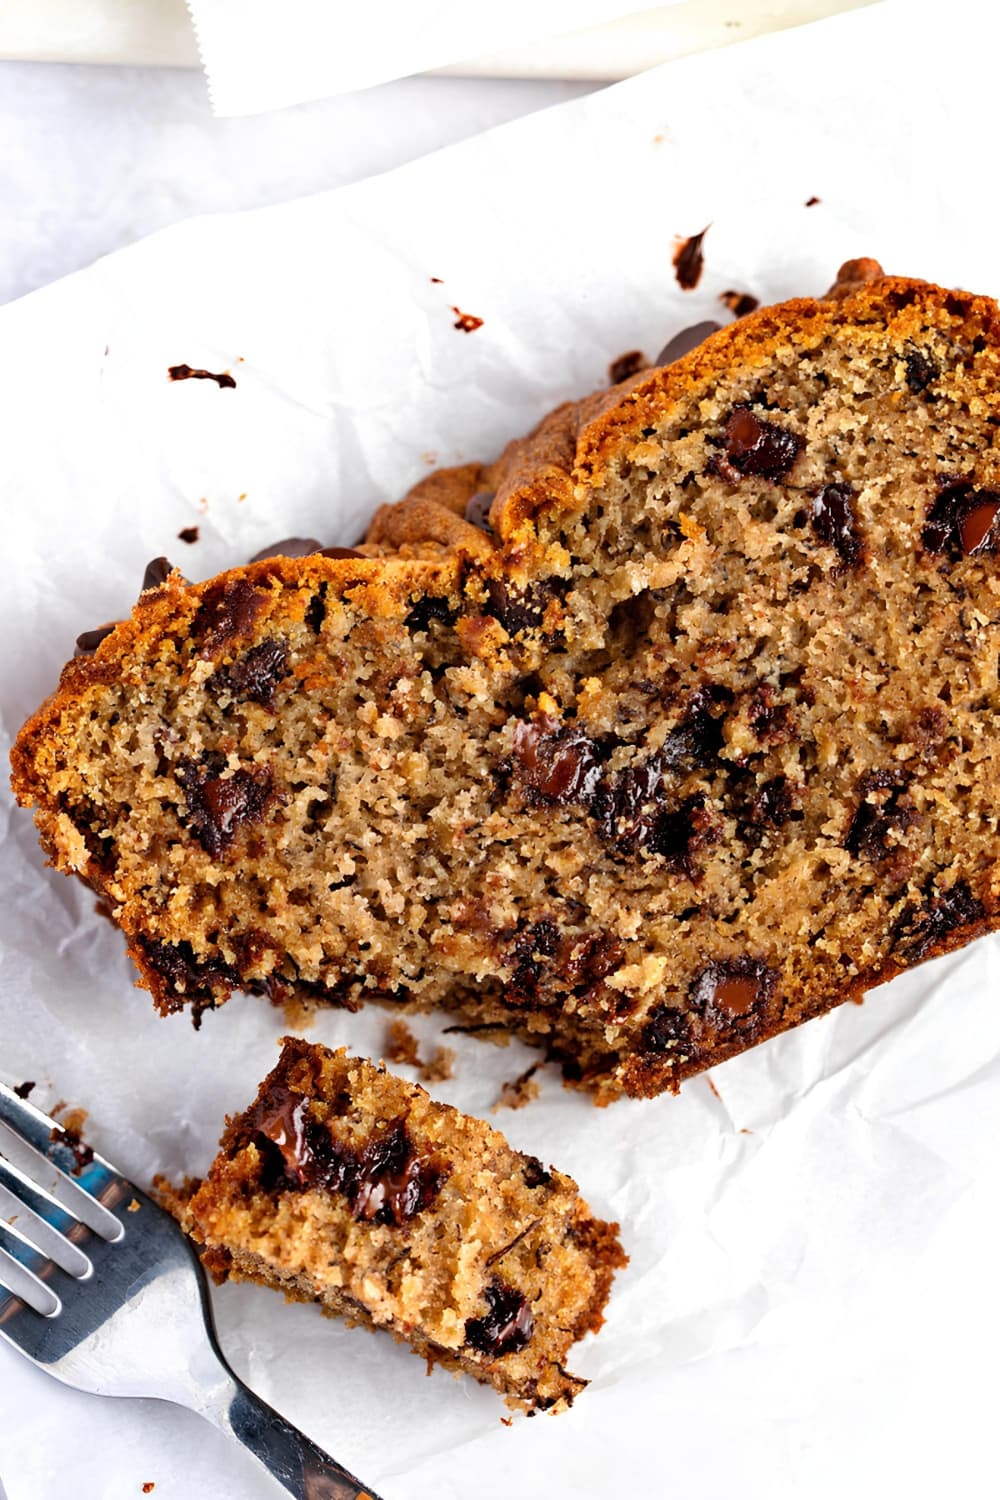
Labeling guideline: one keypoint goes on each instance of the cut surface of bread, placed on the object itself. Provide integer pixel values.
(673, 728)
(346, 1186)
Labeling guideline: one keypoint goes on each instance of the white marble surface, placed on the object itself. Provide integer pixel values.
(94, 158)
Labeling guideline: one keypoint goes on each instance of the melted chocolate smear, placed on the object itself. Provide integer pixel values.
(228, 608)
(188, 534)
(963, 521)
(731, 990)
(835, 523)
(625, 366)
(557, 763)
(255, 675)
(739, 303)
(88, 642)
(191, 979)
(883, 811)
(184, 372)
(289, 546)
(219, 806)
(755, 448)
(682, 343)
(689, 261)
(477, 509)
(387, 1182)
(921, 371)
(508, 1325)
(917, 932)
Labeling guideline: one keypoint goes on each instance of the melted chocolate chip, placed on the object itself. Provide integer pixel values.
(219, 805)
(255, 675)
(228, 608)
(188, 534)
(156, 574)
(526, 956)
(963, 521)
(557, 762)
(771, 722)
(316, 610)
(772, 804)
(386, 1182)
(520, 607)
(625, 366)
(192, 979)
(918, 932)
(884, 810)
(184, 372)
(289, 546)
(739, 303)
(508, 1325)
(921, 371)
(66, 1136)
(835, 523)
(430, 607)
(689, 260)
(88, 642)
(731, 990)
(340, 552)
(591, 959)
(477, 509)
(682, 343)
(534, 1173)
(665, 1029)
(755, 448)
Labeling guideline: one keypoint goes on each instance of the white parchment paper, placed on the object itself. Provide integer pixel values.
(811, 1308)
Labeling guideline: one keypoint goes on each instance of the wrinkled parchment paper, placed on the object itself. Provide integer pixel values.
(811, 1308)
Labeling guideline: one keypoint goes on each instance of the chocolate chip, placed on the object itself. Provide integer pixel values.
(340, 552)
(22, 1090)
(918, 931)
(219, 805)
(883, 811)
(591, 958)
(773, 803)
(228, 608)
(755, 447)
(316, 610)
(625, 366)
(526, 956)
(184, 372)
(682, 343)
(430, 607)
(156, 574)
(962, 521)
(477, 509)
(557, 762)
(739, 303)
(921, 371)
(508, 1325)
(88, 642)
(193, 979)
(388, 1181)
(811, 202)
(188, 534)
(689, 260)
(255, 675)
(665, 1029)
(534, 1173)
(289, 546)
(731, 990)
(771, 722)
(835, 523)
(521, 607)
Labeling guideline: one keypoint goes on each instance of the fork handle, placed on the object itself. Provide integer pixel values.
(293, 1459)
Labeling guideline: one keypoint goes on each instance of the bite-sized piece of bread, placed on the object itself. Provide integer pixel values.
(689, 739)
(345, 1186)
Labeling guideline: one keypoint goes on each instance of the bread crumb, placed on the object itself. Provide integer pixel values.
(401, 1046)
(439, 1066)
(520, 1091)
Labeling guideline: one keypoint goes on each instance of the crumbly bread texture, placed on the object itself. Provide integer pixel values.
(673, 728)
(345, 1186)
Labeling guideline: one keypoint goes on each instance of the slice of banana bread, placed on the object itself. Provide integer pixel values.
(687, 734)
(345, 1186)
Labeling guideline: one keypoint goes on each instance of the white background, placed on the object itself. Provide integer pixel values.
(812, 1305)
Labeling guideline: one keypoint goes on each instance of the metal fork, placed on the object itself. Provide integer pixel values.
(100, 1287)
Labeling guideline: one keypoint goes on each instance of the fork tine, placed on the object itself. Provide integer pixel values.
(40, 1147)
(41, 1219)
(23, 1286)
(37, 1266)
